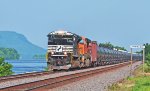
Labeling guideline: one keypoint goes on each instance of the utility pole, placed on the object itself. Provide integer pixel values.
(143, 57)
(131, 63)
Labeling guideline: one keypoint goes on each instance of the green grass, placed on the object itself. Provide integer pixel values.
(139, 82)
(142, 84)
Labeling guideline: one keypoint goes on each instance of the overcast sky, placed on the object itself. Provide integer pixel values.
(121, 22)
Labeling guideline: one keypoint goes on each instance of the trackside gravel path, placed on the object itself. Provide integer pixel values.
(99, 82)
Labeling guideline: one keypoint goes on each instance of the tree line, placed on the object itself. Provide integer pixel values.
(111, 46)
(147, 51)
(9, 53)
(147, 56)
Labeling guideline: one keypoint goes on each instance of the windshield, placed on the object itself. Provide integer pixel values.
(60, 40)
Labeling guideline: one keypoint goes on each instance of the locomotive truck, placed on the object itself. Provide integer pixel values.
(68, 50)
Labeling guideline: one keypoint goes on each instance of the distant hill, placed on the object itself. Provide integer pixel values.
(19, 42)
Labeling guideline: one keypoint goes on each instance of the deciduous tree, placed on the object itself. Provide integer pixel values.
(5, 68)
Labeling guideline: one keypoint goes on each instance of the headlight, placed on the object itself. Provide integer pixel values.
(52, 53)
(65, 53)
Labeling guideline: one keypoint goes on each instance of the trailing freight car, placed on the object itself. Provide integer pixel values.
(68, 50)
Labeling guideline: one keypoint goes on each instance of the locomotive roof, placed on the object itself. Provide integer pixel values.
(61, 32)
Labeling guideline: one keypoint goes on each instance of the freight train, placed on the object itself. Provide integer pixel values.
(68, 50)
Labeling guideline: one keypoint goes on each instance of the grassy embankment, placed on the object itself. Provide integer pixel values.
(140, 82)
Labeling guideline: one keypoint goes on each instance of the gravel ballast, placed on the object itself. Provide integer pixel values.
(99, 82)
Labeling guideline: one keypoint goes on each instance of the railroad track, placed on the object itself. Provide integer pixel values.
(44, 85)
(21, 76)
